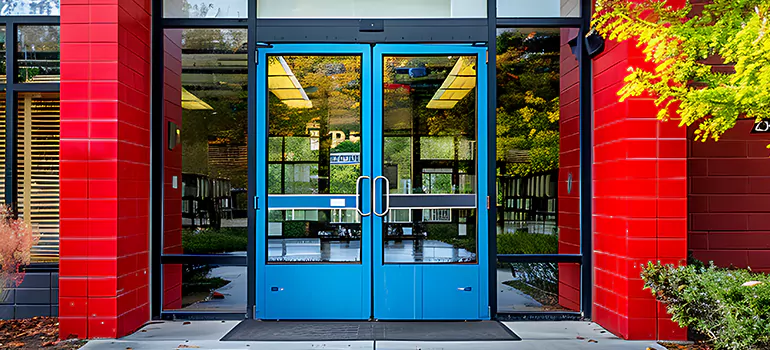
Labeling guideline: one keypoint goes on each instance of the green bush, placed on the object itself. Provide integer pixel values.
(294, 229)
(523, 242)
(715, 302)
(211, 241)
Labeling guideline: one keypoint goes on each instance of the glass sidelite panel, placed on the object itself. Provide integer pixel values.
(206, 74)
(3, 77)
(29, 7)
(545, 8)
(314, 148)
(371, 9)
(534, 287)
(204, 287)
(205, 8)
(429, 151)
(529, 118)
(38, 166)
(38, 54)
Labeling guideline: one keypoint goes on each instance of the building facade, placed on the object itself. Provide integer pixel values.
(352, 160)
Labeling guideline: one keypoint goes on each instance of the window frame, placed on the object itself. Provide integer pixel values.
(480, 31)
(12, 88)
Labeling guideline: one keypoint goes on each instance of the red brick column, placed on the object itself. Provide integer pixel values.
(640, 200)
(105, 171)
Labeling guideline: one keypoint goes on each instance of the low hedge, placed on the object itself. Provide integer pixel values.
(728, 308)
(523, 242)
(211, 241)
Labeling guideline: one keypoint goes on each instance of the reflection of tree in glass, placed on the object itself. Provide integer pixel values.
(528, 100)
(333, 85)
(214, 40)
(30, 7)
(38, 48)
(214, 140)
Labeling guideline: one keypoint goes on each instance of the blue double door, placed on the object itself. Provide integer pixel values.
(371, 200)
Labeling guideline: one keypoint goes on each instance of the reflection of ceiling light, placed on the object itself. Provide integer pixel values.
(284, 85)
(192, 102)
(460, 81)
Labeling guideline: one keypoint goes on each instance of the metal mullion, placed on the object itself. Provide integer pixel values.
(213, 259)
(37, 87)
(544, 22)
(586, 163)
(492, 151)
(251, 162)
(201, 315)
(11, 120)
(540, 258)
(540, 316)
(31, 20)
(157, 195)
(186, 23)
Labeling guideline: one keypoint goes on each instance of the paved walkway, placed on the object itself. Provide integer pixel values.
(565, 335)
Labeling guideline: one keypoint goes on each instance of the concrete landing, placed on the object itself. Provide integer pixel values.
(562, 335)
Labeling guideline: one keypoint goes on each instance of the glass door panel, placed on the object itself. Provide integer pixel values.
(426, 169)
(316, 106)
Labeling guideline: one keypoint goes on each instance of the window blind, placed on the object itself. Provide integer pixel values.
(38, 170)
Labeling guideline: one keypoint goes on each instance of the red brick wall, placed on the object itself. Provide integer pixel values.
(640, 203)
(172, 110)
(729, 199)
(105, 157)
(569, 163)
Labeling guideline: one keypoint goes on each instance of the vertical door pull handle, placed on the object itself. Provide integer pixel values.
(358, 196)
(387, 196)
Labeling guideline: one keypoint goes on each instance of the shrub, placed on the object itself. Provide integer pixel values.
(716, 303)
(523, 242)
(16, 241)
(211, 241)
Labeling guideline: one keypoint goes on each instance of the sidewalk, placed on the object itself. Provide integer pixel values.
(564, 335)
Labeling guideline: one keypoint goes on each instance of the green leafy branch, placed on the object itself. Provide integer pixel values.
(680, 46)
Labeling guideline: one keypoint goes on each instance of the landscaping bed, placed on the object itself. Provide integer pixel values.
(34, 333)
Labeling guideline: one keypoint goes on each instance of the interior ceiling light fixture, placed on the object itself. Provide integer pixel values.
(460, 81)
(284, 85)
(192, 102)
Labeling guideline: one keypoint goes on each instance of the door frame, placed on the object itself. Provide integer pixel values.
(260, 152)
(371, 152)
(482, 173)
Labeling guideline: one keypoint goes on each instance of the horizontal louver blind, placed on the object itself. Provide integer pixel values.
(38, 147)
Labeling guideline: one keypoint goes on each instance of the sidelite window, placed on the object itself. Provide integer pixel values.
(29, 7)
(371, 9)
(37, 132)
(537, 163)
(205, 157)
(543, 8)
(38, 54)
(314, 147)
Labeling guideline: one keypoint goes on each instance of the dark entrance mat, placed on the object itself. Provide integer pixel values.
(251, 330)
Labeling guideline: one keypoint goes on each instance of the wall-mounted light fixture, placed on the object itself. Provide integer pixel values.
(174, 136)
(594, 43)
